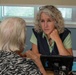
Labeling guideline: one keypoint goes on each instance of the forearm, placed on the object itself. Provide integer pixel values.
(62, 50)
(37, 61)
(39, 64)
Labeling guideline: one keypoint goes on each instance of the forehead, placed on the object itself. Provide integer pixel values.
(45, 16)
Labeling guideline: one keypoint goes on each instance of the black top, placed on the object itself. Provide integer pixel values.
(43, 45)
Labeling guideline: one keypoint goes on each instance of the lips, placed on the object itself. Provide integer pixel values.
(46, 29)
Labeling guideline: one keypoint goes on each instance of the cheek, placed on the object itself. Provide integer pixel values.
(42, 26)
(51, 25)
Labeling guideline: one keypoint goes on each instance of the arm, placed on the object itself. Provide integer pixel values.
(36, 59)
(62, 50)
(35, 50)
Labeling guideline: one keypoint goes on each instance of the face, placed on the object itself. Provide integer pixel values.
(47, 23)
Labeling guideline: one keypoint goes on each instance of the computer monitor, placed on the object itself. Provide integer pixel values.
(56, 62)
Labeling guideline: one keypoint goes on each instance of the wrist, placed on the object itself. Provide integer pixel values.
(58, 41)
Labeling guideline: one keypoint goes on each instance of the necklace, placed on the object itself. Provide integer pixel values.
(50, 41)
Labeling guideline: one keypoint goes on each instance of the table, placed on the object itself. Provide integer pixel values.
(49, 72)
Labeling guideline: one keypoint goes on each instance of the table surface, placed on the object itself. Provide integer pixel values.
(49, 73)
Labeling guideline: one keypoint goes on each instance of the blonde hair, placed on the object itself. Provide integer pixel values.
(12, 34)
(52, 12)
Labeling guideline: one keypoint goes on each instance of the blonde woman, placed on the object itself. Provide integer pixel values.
(50, 37)
(12, 43)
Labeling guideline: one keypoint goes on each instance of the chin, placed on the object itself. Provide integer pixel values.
(46, 33)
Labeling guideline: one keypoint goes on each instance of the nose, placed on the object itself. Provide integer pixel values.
(46, 24)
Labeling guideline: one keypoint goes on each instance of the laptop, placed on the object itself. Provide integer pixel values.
(55, 62)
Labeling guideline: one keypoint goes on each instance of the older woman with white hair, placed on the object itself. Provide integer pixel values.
(12, 43)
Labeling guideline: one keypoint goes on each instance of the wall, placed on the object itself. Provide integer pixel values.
(39, 2)
(73, 35)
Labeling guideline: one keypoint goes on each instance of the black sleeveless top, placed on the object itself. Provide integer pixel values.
(43, 45)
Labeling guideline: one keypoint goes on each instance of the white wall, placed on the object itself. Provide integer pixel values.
(74, 53)
(39, 2)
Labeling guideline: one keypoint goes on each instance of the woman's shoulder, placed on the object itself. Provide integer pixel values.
(37, 34)
(67, 30)
(65, 34)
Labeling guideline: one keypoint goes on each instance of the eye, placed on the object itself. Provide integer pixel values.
(42, 21)
(49, 20)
